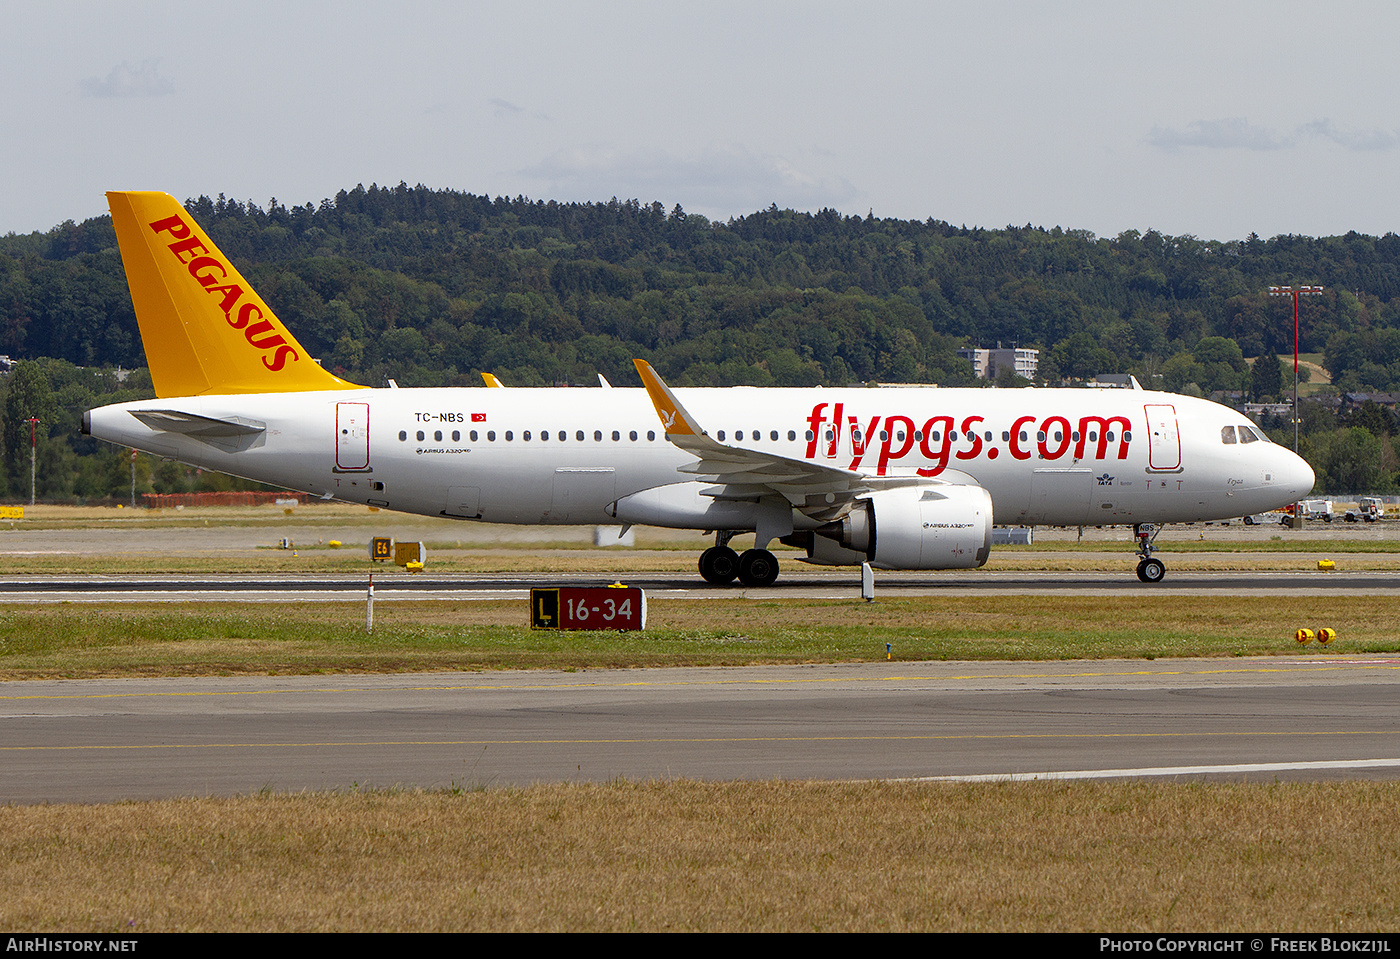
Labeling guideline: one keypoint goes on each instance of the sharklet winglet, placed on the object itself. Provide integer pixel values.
(674, 418)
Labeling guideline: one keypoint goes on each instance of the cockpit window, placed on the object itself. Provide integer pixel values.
(1227, 435)
(1247, 435)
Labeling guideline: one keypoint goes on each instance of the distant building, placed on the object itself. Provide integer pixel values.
(1112, 381)
(987, 363)
(1388, 400)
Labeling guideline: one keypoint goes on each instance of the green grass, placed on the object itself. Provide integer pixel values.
(162, 639)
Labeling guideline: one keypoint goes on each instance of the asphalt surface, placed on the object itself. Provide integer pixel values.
(107, 740)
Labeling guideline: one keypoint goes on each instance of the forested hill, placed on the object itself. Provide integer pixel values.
(431, 286)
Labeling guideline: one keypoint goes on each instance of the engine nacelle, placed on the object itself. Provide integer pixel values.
(913, 527)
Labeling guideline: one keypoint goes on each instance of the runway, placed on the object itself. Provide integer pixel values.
(107, 740)
(802, 583)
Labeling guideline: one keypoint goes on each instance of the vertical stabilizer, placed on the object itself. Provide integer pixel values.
(203, 327)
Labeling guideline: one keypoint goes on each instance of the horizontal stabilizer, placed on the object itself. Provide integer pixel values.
(192, 424)
(231, 435)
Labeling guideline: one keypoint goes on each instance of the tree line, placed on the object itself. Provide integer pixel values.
(430, 287)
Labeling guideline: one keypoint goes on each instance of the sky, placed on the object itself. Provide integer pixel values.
(1214, 120)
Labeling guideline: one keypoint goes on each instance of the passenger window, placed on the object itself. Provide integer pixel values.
(491, 436)
(473, 436)
(402, 435)
(989, 436)
(597, 436)
(651, 434)
(810, 437)
(579, 436)
(509, 435)
(773, 435)
(524, 436)
(792, 435)
(616, 436)
(721, 436)
(1227, 435)
(420, 436)
(1006, 436)
(437, 436)
(632, 436)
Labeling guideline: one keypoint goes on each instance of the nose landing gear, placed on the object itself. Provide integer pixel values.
(1149, 569)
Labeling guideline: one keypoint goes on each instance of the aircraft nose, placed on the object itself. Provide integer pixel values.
(1297, 475)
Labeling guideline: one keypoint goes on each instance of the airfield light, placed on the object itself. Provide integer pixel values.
(33, 442)
(1295, 292)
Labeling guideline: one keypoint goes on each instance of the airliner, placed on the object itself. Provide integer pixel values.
(899, 478)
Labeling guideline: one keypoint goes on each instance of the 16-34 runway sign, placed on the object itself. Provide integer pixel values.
(588, 607)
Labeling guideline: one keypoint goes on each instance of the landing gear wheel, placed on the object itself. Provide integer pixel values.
(758, 567)
(1151, 570)
(719, 565)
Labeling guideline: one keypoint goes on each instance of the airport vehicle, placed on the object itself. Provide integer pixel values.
(1316, 509)
(1369, 508)
(901, 478)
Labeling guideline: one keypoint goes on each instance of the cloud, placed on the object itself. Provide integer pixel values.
(1355, 140)
(504, 108)
(128, 81)
(1237, 133)
(1233, 133)
(718, 182)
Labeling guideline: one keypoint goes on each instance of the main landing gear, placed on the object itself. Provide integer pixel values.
(720, 565)
(1149, 570)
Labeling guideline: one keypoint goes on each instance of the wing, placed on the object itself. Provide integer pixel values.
(823, 492)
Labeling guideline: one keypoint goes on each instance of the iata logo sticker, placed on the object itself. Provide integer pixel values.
(212, 274)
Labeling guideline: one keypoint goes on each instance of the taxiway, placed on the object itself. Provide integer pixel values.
(107, 740)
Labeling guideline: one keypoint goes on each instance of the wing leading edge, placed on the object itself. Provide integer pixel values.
(824, 493)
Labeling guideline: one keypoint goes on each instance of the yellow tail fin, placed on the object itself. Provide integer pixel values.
(203, 327)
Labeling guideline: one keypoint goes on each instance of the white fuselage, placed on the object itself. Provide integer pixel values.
(1050, 457)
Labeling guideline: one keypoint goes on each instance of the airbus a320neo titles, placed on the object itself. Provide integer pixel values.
(911, 478)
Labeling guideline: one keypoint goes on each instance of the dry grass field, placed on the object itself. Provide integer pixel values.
(675, 856)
